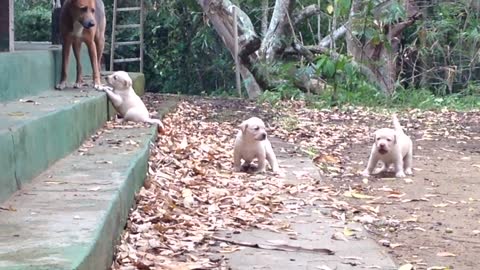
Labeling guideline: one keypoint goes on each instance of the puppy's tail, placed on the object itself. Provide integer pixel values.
(160, 126)
(396, 124)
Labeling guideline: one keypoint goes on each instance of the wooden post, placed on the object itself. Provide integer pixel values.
(235, 52)
(6, 26)
(56, 37)
(112, 43)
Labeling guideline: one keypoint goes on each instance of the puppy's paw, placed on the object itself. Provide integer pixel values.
(61, 86)
(408, 171)
(365, 173)
(279, 173)
(400, 174)
(99, 87)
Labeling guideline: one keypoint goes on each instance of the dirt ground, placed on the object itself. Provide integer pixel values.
(439, 213)
(430, 220)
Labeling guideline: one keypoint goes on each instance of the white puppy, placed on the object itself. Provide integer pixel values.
(391, 146)
(127, 103)
(251, 143)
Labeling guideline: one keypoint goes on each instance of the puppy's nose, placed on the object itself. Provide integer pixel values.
(382, 145)
(264, 136)
(89, 24)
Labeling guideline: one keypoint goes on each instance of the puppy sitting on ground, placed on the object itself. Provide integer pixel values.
(127, 103)
(251, 143)
(391, 146)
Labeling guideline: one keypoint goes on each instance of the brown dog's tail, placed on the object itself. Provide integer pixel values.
(396, 124)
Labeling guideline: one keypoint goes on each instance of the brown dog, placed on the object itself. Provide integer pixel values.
(82, 21)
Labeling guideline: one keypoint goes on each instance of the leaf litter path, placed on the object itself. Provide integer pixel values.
(191, 196)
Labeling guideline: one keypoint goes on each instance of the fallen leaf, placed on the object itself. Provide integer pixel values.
(339, 236)
(347, 231)
(407, 266)
(395, 245)
(356, 195)
(446, 254)
(16, 114)
(323, 267)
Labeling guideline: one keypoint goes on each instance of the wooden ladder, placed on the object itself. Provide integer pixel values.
(115, 44)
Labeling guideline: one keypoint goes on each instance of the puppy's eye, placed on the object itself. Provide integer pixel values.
(93, 10)
(84, 9)
(389, 140)
(378, 139)
(257, 128)
(114, 77)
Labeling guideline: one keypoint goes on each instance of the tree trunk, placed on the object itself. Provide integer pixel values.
(220, 14)
(275, 41)
(380, 57)
(264, 17)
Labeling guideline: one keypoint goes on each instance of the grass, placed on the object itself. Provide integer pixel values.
(369, 97)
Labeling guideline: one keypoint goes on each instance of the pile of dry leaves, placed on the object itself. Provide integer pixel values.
(191, 193)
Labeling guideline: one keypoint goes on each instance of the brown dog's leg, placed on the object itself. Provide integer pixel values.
(92, 52)
(67, 44)
(100, 44)
(77, 45)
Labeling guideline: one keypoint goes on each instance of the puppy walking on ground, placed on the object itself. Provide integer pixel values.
(391, 146)
(82, 21)
(251, 143)
(127, 103)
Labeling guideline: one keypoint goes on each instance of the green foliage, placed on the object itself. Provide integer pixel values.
(182, 53)
(402, 99)
(33, 20)
(442, 49)
(343, 7)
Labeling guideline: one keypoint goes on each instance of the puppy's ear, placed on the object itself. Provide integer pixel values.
(127, 83)
(243, 126)
(395, 139)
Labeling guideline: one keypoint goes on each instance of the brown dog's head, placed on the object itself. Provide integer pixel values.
(253, 128)
(84, 12)
(385, 139)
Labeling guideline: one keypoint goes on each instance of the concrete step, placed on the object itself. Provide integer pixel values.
(35, 67)
(36, 131)
(70, 216)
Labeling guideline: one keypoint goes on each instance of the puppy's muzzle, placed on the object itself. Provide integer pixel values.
(382, 148)
(262, 136)
(88, 24)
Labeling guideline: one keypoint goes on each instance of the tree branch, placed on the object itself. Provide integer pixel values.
(325, 42)
(306, 13)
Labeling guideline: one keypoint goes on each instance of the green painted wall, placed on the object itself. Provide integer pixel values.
(24, 73)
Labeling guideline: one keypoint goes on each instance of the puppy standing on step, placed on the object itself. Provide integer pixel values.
(391, 146)
(127, 103)
(82, 21)
(251, 143)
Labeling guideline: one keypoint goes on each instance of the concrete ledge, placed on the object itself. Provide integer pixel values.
(29, 72)
(70, 216)
(33, 135)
